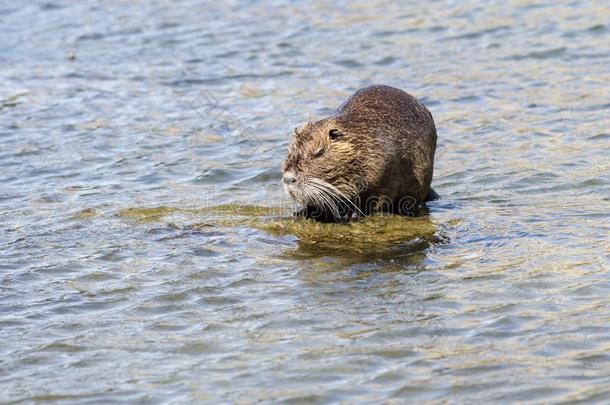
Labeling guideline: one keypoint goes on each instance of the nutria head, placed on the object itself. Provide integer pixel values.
(326, 166)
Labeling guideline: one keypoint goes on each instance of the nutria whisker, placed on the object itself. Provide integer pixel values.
(336, 194)
(325, 200)
(328, 201)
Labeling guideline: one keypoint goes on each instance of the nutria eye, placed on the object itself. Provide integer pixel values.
(334, 134)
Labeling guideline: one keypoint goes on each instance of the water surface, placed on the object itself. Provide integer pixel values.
(147, 252)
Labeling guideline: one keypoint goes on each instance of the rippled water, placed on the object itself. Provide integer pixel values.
(146, 249)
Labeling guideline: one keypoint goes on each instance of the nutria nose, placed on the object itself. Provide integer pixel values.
(289, 178)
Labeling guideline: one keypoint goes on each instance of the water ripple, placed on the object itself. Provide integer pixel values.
(147, 253)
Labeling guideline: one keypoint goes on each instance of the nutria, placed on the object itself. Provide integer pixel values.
(373, 154)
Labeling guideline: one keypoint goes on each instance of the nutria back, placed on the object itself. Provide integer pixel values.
(375, 153)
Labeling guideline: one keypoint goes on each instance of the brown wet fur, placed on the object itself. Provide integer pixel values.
(385, 153)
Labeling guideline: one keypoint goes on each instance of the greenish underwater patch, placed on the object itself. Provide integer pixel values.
(375, 233)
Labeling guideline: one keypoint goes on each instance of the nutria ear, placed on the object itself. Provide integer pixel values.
(319, 152)
(334, 134)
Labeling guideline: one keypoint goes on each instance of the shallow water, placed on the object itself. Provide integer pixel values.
(146, 248)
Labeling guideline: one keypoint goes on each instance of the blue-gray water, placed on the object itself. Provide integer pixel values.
(129, 129)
